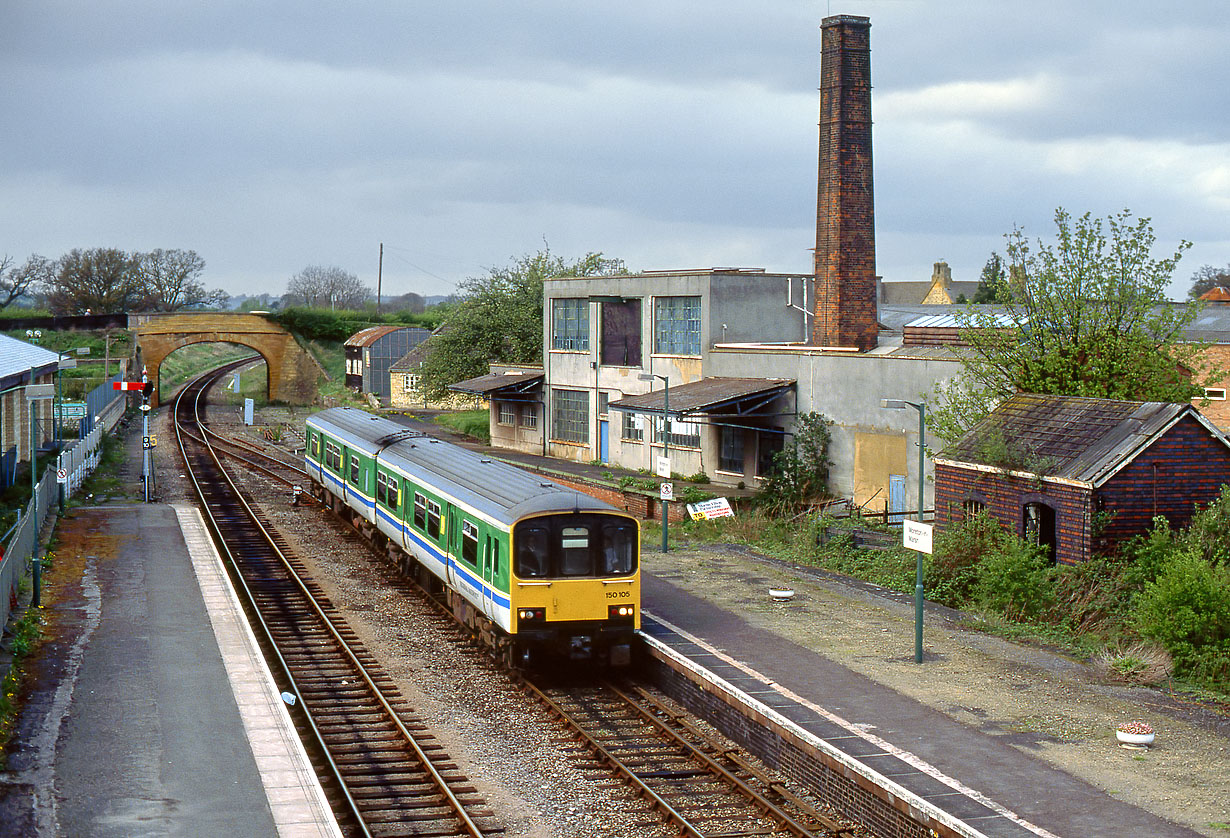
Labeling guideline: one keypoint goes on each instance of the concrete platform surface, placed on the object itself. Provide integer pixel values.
(153, 711)
(982, 786)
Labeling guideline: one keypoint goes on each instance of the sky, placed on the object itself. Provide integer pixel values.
(269, 135)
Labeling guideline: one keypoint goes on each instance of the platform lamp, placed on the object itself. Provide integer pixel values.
(34, 393)
(666, 444)
(899, 404)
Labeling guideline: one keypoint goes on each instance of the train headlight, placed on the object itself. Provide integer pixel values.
(532, 615)
(621, 612)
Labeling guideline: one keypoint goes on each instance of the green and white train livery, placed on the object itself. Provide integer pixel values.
(534, 568)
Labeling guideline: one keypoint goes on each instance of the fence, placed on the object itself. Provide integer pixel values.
(76, 460)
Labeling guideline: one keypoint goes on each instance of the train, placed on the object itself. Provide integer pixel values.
(538, 571)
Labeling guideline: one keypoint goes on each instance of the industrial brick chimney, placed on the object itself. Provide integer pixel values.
(845, 212)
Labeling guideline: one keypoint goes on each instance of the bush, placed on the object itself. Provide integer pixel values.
(1187, 610)
(1138, 663)
(952, 570)
(1208, 530)
(1016, 579)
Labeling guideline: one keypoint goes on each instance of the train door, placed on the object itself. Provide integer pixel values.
(487, 568)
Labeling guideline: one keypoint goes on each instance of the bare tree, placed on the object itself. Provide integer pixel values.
(101, 280)
(317, 286)
(17, 281)
(170, 281)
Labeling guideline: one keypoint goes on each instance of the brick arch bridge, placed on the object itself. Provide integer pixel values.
(293, 373)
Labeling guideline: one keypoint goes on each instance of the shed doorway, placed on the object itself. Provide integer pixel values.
(1039, 527)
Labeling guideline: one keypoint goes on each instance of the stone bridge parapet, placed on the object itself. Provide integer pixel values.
(293, 373)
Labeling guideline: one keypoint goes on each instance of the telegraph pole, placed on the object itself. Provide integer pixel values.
(379, 277)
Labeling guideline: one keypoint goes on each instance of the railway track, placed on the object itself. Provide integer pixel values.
(382, 769)
(698, 786)
(691, 784)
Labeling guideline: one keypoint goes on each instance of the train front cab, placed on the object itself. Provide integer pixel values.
(576, 586)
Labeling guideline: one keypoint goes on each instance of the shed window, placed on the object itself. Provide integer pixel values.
(731, 455)
(529, 416)
(1215, 394)
(508, 413)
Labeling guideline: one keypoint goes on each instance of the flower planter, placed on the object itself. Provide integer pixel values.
(781, 594)
(1134, 740)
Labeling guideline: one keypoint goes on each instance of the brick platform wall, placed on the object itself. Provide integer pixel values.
(851, 794)
(845, 260)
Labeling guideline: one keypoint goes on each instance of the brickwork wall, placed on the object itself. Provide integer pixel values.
(1184, 468)
(1217, 412)
(1005, 496)
(853, 795)
(845, 266)
(1187, 466)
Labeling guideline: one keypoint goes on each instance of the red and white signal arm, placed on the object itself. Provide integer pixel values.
(143, 386)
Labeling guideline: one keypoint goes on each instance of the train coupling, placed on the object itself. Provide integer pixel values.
(580, 647)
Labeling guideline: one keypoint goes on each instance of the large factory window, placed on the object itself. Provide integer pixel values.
(621, 334)
(570, 324)
(633, 427)
(570, 417)
(676, 325)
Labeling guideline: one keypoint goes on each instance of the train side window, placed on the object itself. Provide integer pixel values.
(333, 457)
(469, 542)
(495, 558)
(316, 446)
(533, 551)
(433, 519)
(420, 511)
(386, 489)
(618, 550)
(576, 559)
(354, 469)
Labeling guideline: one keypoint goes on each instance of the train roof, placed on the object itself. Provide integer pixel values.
(490, 486)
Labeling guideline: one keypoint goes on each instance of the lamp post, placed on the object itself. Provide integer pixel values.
(899, 404)
(666, 445)
(35, 393)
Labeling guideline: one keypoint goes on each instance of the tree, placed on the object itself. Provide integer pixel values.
(170, 281)
(101, 280)
(411, 302)
(499, 318)
(992, 282)
(1208, 278)
(317, 286)
(801, 469)
(1090, 318)
(18, 280)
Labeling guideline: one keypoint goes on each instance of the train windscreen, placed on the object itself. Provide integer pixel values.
(574, 545)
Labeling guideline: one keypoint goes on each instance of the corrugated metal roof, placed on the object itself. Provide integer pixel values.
(368, 336)
(484, 384)
(704, 395)
(1086, 440)
(18, 357)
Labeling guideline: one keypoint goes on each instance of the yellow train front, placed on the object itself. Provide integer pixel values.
(536, 569)
(575, 584)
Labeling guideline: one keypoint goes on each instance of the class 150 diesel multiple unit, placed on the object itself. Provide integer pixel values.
(535, 569)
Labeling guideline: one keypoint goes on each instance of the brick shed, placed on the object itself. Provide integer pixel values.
(1080, 474)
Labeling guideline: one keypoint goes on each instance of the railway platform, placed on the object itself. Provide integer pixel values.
(132, 728)
(970, 781)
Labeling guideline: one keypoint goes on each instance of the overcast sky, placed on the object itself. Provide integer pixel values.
(269, 135)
